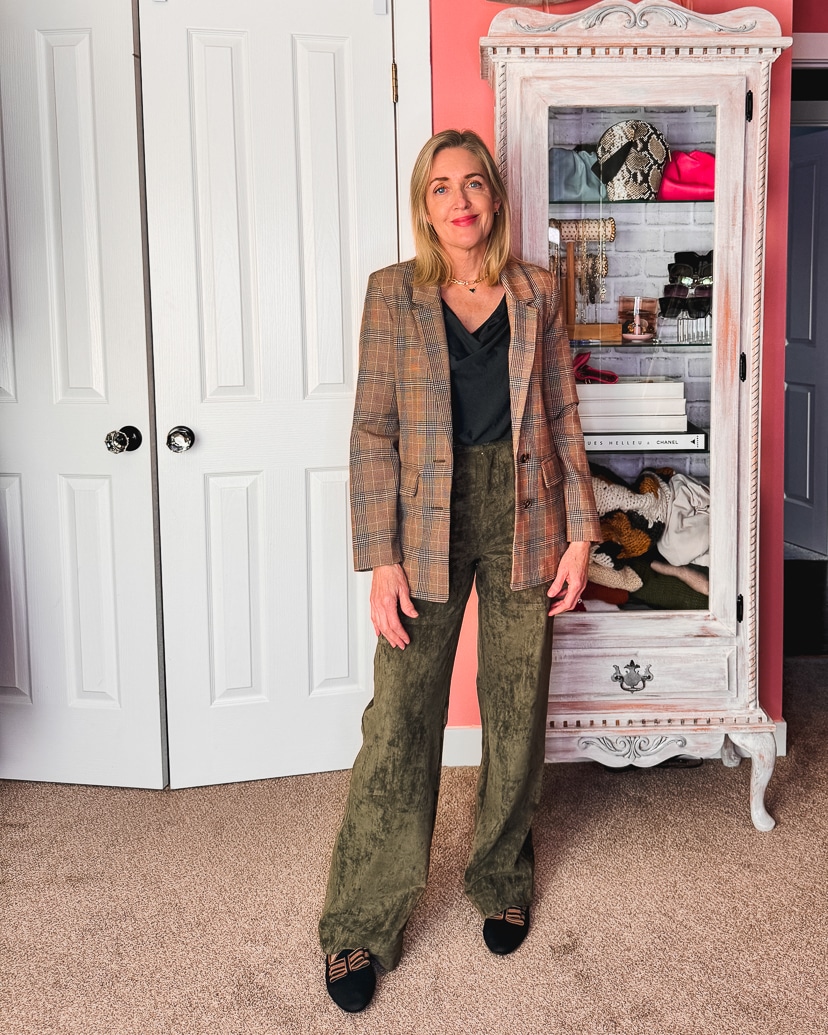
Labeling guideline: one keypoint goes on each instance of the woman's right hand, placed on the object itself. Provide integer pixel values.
(389, 596)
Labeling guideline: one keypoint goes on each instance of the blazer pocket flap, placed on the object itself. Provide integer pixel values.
(409, 481)
(551, 471)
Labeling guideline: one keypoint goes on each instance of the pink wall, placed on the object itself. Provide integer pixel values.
(462, 100)
(810, 16)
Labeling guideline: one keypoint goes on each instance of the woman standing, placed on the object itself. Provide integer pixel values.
(467, 463)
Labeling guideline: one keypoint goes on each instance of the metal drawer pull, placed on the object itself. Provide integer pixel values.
(631, 679)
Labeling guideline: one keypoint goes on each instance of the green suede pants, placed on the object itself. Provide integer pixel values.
(381, 856)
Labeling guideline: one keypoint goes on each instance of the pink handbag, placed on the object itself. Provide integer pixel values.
(688, 176)
(591, 375)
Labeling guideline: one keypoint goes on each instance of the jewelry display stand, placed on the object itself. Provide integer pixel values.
(643, 684)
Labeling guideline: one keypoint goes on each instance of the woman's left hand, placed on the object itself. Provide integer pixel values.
(571, 578)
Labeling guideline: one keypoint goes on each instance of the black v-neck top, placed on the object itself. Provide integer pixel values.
(479, 364)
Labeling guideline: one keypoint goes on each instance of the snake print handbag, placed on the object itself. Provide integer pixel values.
(631, 160)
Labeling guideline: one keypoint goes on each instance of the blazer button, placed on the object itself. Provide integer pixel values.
(524, 457)
(527, 504)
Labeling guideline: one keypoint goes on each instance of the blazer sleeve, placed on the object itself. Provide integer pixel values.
(374, 459)
(561, 401)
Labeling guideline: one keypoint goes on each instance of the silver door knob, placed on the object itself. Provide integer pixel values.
(180, 439)
(124, 440)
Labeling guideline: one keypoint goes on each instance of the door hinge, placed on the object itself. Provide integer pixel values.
(742, 367)
(740, 608)
(394, 93)
(749, 106)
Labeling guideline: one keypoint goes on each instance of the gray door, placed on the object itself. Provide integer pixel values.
(806, 362)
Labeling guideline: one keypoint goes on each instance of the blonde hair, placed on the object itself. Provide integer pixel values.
(431, 265)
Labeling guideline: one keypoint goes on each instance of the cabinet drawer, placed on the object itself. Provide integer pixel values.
(644, 675)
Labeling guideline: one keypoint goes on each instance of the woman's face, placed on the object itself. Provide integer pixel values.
(459, 200)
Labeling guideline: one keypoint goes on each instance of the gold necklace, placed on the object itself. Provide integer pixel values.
(470, 284)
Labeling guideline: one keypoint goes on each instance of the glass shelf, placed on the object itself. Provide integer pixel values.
(656, 343)
(606, 203)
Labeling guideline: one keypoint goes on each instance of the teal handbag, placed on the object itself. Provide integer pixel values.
(571, 176)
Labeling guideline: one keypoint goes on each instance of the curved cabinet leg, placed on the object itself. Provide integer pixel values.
(730, 756)
(761, 748)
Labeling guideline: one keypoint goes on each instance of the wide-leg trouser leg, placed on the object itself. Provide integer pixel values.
(514, 656)
(380, 860)
(381, 856)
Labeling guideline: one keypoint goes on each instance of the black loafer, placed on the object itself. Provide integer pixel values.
(350, 979)
(505, 931)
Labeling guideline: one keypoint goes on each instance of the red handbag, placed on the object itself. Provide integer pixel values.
(688, 176)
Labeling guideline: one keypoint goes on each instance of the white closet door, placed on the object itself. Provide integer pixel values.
(271, 191)
(79, 695)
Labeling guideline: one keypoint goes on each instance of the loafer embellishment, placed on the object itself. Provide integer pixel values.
(505, 931)
(350, 979)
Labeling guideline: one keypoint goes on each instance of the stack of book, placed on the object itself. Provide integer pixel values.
(637, 414)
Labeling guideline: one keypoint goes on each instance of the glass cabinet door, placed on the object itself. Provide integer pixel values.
(649, 269)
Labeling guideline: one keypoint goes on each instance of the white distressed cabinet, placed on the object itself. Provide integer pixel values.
(639, 685)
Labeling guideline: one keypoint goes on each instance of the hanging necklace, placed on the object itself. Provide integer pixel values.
(470, 284)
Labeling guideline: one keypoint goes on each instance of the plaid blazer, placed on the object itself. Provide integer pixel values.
(402, 446)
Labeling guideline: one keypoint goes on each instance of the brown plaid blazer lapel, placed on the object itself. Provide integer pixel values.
(428, 316)
(523, 316)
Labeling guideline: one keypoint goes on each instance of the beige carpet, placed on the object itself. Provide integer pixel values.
(659, 908)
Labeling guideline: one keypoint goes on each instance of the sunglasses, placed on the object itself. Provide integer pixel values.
(686, 276)
(683, 290)
(693, 258)
(697, 307)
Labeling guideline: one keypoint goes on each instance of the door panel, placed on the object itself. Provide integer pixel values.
(79, 699)
(806, 357)
(271, 195)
